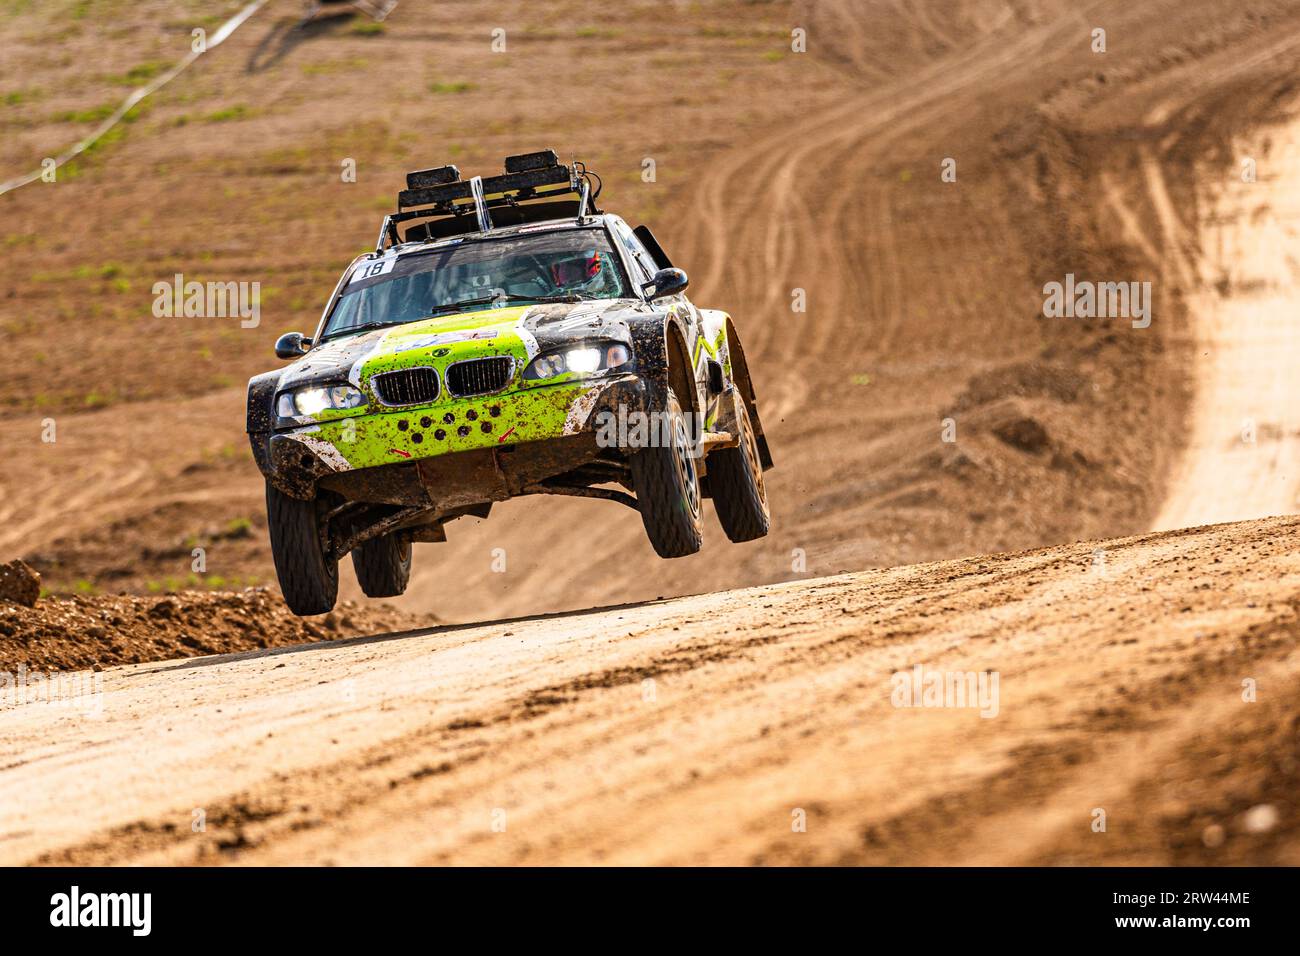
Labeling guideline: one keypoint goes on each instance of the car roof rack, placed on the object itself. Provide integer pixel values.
(535, 187)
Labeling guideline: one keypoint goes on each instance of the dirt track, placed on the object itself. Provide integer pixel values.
(690, 731)
(1120, 662)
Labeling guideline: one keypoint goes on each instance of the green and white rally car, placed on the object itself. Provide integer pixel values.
(504, 338)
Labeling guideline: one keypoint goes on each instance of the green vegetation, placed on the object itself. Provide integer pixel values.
(95, 114)
(333, 66)
(83, 272)
(171, 585)
(110, 138)
(238, 111)
(239, 528)
(19, 97)
(459, 86)
(141, 73)
(71, 170)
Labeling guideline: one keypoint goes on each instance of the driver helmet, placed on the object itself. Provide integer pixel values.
(578, 271)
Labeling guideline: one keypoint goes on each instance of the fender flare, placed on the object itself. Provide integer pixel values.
(745, 385)
(663, 357)
(260, 421)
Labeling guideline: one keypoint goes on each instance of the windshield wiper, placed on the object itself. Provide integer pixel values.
(565, 297)
(508, 297)
(464, 304)
(365, 327)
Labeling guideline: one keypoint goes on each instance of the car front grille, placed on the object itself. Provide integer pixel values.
(479, 376)
(408, 386)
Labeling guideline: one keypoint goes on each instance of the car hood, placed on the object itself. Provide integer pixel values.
(519, 331)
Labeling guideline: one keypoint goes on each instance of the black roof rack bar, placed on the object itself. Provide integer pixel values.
(433, 195)
(510, 182)
(526, 161)
(438, 176)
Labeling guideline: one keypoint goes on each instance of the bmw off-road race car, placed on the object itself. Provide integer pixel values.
(504, 338)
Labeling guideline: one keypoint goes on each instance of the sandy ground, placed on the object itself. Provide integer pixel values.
(705, 728)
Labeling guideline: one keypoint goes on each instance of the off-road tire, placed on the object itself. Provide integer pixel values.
(667, 484)
(736, 482)
(309, 579)
(383, 565)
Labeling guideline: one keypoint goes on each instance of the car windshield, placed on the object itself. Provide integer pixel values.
(568, 264)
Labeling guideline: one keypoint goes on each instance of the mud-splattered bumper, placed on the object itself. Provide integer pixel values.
(298, 458)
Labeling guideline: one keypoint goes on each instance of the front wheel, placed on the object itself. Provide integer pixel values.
(309, 577)
(736, 481)
(383, 565)
(667, 485)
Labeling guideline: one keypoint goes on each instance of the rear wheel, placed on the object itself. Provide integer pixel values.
(667, 486)
(383, 565)
(736, 481)
(309, 578)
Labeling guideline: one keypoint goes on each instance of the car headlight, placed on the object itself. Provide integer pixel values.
(314, 399)
(578, 360)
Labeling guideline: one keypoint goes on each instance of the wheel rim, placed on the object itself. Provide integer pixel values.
(752, 458)
(684, 461)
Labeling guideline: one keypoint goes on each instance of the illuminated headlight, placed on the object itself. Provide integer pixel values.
(311, 401)
(579, 360)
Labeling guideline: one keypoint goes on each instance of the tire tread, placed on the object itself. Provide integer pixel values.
(379, 566)
(308, 579)
(736, 497)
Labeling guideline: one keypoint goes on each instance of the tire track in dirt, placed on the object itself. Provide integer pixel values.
(801, 202)
(103, 466)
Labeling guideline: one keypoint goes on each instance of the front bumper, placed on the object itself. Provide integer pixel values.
(297, 459)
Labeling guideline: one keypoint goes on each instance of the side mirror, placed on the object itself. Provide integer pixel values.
(665, 282)
(291, 345)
